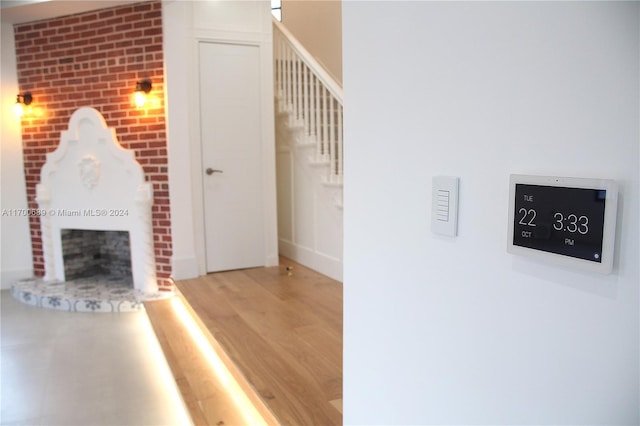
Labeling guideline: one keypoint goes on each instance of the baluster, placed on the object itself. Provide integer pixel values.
(340, 152)
(325, 135)
(286, 76)
(305, 96)
(301, 94)
(296, 87)
(332, 134)
(276, 61)
(279, 76)
(299, 87)
(283, 65)
(276, 40)
(312, 105)
(290, 97)
(318, 122)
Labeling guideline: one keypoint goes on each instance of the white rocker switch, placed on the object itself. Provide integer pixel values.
(444, 206)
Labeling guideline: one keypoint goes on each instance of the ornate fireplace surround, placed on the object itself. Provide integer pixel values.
(91, 183)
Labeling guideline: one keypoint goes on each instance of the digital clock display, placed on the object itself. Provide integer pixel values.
(562, 220)
(569, 221)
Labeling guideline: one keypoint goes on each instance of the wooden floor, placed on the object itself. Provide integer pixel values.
(282, 329)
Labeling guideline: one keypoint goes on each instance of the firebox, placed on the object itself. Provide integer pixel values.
(88, 253)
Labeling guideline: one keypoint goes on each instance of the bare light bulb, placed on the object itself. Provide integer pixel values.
(139, 99)
(18, 108)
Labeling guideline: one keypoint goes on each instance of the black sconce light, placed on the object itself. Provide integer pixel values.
(21, 102)
(143, 88)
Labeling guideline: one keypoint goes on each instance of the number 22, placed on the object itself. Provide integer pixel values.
(525, 214)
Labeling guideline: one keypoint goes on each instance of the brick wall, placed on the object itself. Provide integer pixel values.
(94, 59)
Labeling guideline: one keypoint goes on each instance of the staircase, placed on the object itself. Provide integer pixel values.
(309, 145)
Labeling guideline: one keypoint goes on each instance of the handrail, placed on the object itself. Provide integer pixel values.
(323, 75)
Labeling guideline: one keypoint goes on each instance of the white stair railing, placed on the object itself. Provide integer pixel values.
(311, 97)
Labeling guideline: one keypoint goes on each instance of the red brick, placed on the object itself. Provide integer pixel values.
(80, 28)
(105, 14)
(129, 138)
(90, 17)
(23, 28)
(142, 7)
(113, 22)
(124, 11)
(89, 33)
(152, 31)
(71, 20)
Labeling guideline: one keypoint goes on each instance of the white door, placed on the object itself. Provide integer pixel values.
(230, 125)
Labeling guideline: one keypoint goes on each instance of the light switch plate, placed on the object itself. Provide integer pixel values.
(444, 205)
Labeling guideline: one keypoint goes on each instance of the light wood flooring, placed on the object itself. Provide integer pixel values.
(281, 328)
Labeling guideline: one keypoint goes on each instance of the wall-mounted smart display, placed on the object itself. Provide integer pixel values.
(570, 221)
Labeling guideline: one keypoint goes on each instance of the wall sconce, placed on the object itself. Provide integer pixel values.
(21, 102)
(143, 88)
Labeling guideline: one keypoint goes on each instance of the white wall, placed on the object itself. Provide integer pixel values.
(178, 51)
(309, 217)
(317, 24)
(455, 330)
(185, 23)
(15, 239)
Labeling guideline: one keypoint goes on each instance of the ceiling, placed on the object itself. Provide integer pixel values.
(21, 11)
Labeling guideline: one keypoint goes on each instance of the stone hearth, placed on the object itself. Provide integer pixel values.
(92, 294)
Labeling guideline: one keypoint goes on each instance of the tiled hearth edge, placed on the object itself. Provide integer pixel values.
(95, 294)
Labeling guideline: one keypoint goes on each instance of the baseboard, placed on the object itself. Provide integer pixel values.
(8, 277)
(326, 265)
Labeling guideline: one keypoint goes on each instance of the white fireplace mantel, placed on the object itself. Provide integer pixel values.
(91, 182)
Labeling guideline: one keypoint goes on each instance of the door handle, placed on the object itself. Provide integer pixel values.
(211, 171)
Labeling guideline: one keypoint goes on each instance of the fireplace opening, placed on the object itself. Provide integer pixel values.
(97, 254)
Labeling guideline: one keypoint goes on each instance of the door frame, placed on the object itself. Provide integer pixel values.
(268, 149)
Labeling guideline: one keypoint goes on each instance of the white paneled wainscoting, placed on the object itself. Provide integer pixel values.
(309, 146)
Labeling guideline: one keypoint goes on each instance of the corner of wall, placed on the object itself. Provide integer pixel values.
(15, 248)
